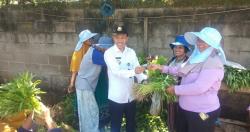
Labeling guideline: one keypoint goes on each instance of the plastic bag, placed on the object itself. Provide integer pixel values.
(156, 104)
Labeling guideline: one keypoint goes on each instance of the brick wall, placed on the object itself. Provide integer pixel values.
(42, 41)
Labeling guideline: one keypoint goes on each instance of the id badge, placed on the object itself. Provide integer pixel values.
(203, 116)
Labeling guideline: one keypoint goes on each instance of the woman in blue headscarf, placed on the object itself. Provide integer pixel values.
(180, 49)
(101, 93)
(201, 76)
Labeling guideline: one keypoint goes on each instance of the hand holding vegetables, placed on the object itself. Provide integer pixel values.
(155, 67)
(139, 69)
(170, 90)
(155, 89)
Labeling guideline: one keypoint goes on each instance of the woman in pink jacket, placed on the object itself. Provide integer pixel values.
(201, 76)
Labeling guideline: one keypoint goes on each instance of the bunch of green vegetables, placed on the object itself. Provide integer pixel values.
(20, 95)
(148, 122)
(156, 86)
(236, 79)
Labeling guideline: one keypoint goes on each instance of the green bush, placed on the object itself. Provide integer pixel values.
(64, 111)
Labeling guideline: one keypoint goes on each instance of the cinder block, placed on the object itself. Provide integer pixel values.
(21, 38)
(132, 41)
(233, 29)
(7, 37)
(33, 68)
(233, 55)
(244, 59)
(136, 28)
(38, 59)
(58, 60)
(21, 57)
(71, 38)
(244, 44)
(48, 38)
(17, 67)
(37, 38)
(155, 42)
(4, 65)
(56, 49)
(185, 26)
(24, 26)
(64, 27)
(43, 26)
(58, 38)
(30, 58)
(1, 28)
(74, 14)
(50, 69)
(237, 43)
(246, 29)
(162, 29)
(167, 41)
(65, 70)
(23, 48)
(6, 56)
(165, 52)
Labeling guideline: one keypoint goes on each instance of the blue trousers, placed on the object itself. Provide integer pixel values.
(116, 112)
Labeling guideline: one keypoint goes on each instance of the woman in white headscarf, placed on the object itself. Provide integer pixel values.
(81, 48)
(201, 76)
(86, 82)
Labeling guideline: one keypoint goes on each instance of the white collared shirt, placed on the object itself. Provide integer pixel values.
(121, 72)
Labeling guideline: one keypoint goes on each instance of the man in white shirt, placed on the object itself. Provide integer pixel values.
(123, 66)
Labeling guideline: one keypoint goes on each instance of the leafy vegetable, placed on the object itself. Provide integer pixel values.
(157, 83)
(150, 123)
(20, 95)
(236, 79)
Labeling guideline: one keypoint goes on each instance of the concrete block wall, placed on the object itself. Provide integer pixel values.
(46, 55)
(42, 40)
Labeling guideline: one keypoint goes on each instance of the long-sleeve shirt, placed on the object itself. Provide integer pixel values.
(88, 74)
(198, 91)
(121, 71)
(77, 58)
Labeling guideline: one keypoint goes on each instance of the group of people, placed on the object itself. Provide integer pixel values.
(88, 62)
(199, 78)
